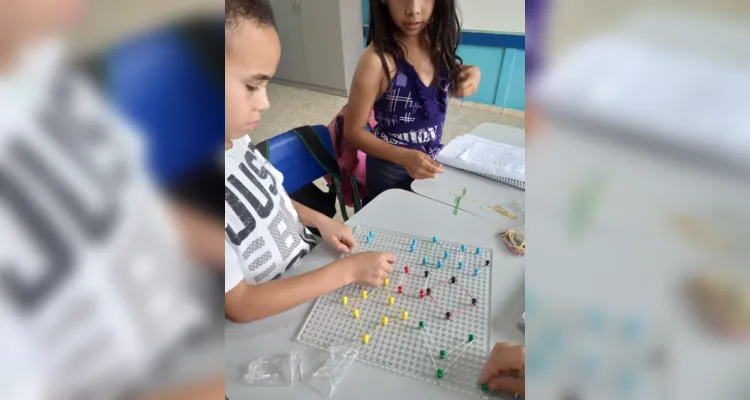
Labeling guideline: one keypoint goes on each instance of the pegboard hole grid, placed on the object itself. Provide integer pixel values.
(400, 345)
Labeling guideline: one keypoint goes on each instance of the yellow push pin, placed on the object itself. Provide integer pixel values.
(344, 300)
(356, 313)
(366, 339)
(390, 301)
(404, 315)
(364, 294)
(386, 282)
(385, 320)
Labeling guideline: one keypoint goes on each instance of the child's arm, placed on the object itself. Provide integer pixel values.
(469, 77)
(338, 235)
(247, 303)
(367, 86)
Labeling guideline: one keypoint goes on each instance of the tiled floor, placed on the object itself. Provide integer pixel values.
(293, 107)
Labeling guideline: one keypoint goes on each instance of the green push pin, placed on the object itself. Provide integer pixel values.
(443, 354)
(440, 373)
(485, 387)
(421, 324)
(471, 338)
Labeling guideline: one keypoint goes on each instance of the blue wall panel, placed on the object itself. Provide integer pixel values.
(511, 90)
(489, 60)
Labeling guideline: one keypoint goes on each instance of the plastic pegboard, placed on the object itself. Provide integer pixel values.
(458, 279)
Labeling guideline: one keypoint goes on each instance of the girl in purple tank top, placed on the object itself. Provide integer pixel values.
(406, 74)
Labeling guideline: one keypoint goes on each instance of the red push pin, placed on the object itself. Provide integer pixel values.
(421, 294)
(401, 289)
(406, 269)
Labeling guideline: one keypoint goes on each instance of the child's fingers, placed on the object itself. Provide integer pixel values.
(508, 384)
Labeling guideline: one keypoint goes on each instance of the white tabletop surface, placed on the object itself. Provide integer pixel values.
(414, 215)
(481, 192)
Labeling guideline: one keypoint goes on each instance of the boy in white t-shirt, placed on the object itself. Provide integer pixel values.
(265, 229)
(97, 297)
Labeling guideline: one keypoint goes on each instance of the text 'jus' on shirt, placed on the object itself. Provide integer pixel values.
(264, 236)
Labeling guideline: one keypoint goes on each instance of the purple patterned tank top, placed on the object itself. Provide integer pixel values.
(411, 114)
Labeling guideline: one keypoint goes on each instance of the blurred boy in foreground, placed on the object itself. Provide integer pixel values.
(97, 294)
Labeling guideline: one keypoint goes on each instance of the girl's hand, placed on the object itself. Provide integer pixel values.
(505, 369)
(469, 78)
(421, 166)
(370, 268)
(338, 235)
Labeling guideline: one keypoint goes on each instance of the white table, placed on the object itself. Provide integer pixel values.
(481, 192)
(414, 215)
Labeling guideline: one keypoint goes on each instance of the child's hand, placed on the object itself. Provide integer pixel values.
(469, 78)
(338, 235)
(505, 369)
(370, 268)
(421, 166)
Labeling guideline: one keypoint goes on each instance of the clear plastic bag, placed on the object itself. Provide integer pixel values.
(279, 370)
(515, 240)
(327, 377)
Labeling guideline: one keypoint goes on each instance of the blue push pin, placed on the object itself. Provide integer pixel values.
(411, 250)
(460, 265)
(476, 271)
(368, 239)
(463, 248)
(413, 242)
(370, 233)
(440, 264)
(434, 239)
(424, 260)
(479, 251)
(445, 255)
(633, 329)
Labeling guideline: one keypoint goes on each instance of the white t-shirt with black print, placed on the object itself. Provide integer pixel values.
(95, 292)
(264, 236)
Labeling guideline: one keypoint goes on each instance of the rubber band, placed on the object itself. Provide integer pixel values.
(436, 303)
(458, 356)
(454, 349)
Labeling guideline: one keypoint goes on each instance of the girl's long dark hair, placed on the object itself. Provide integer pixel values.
(443, 31)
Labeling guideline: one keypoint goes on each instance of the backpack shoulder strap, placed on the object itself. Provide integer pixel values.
(318, 150)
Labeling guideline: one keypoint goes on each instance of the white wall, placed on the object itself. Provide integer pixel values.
(493, 15)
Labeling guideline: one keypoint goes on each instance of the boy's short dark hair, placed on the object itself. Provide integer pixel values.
(259, 11)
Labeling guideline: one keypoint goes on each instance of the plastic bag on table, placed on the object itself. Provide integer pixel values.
(513, 210)
(515, 240)
(327, 377)
(279, 370)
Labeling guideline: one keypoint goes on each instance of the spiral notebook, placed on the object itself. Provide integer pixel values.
(494, 160)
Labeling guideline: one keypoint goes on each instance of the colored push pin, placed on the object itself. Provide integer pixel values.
(440, 373)
(390, 301)
(421, 324)
(448, 315)
(368, 239)
(369, 234)
(385, 321)
(485, 387)
(479, 251)
(386, 282)
(413, 242)
(473, 301)
(344, 300)
(434, 239)
(440, 264)
(453, 279)
(411, 249)
(443, 353)
(401, 289)
(460, 265)
(421, 294)
(366, 339)
(445, 254)
(426, 274)
(356, 313)
(364, 294)
(406, 269)
(429, 291)
(424, 260)
(476, 271)
(463, 248)
(404, 315)
(471, 337)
